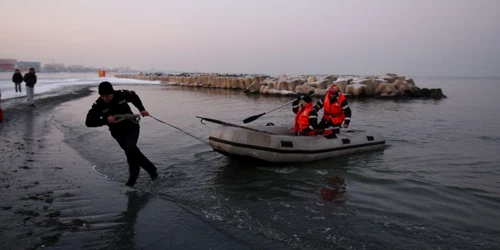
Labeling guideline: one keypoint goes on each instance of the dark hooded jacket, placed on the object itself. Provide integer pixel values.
(17, 77)
(98, 115)
(30, 79)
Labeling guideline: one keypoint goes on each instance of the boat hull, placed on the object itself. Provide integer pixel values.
(277, 144)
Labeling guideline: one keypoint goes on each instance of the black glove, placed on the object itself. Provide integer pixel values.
(305, 131)
(300, 96)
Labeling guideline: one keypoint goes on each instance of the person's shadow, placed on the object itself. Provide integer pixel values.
(125, 233)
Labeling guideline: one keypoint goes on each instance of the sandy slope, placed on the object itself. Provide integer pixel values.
(51, 197)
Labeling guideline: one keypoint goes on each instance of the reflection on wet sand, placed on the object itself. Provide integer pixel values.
(124, 234)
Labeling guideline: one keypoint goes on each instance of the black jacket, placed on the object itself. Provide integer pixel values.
(98, 114)
(30, 79)
(17, 77)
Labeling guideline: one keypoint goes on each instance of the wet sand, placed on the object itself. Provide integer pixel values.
(51, 197)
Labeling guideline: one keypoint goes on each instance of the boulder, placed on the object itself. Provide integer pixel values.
(389, 85)
(394, 91)
(425, 92)
(248, 81)
(357, 89)
(263, 88)
(383, 88)
(398, 83)
(410, 81)
(285, 85)
(295, 83)
(367, 85)
(436, 93)
(304, 89)
(332, 78)
(389, 79)
(349, 90)
(235, 83)
(322, 84)
(226, 83)
(415, 92)
(311, 79)
(271, 85)
(375, 84)
(403, 87)
(319, 92)
(341, 84)
(217, 82)
(271, 91)
(263, 78)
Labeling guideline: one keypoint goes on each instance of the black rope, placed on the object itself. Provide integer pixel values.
(180, 130)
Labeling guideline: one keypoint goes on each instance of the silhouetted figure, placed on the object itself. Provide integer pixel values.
(30, 80)
(17, 79)
(126, 132)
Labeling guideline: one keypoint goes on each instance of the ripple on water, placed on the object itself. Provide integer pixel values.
(433, 186)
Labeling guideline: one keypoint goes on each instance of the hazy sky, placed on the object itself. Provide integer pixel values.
(407, 37)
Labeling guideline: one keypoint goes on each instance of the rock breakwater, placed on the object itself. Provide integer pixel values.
(383, 86)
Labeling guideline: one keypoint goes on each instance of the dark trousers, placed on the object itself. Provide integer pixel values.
(127, 138)
(18, 86)
(324, 124)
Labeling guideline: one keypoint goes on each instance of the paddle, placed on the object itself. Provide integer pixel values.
(255, 117)
(231, 125)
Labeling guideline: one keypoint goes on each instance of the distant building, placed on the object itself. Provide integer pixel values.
(8, 65)
(54, 67)
(75, 68)
(25, 66)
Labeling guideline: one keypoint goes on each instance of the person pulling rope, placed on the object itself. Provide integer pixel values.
(111, 109)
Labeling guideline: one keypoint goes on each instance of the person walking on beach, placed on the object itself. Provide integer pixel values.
(17, 79)
(30, 80)
(126, 132)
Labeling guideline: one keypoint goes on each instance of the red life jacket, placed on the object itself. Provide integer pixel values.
(334, 111)
(302, 119)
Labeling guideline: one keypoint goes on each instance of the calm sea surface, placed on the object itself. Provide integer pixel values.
(436, 185)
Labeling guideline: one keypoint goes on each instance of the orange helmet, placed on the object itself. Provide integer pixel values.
(334, 89)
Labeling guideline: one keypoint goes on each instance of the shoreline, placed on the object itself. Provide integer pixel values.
(389, 86)
(51, 195)
(40, 183)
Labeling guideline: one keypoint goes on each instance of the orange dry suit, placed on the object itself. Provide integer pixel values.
(336, 111)
(306, 120)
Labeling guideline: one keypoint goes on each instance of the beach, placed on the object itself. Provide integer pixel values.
(52, 197)
(62, 184)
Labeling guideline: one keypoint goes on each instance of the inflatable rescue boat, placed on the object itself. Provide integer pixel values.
(278, 144)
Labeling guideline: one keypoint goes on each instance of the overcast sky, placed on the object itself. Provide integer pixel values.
(407, 37)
